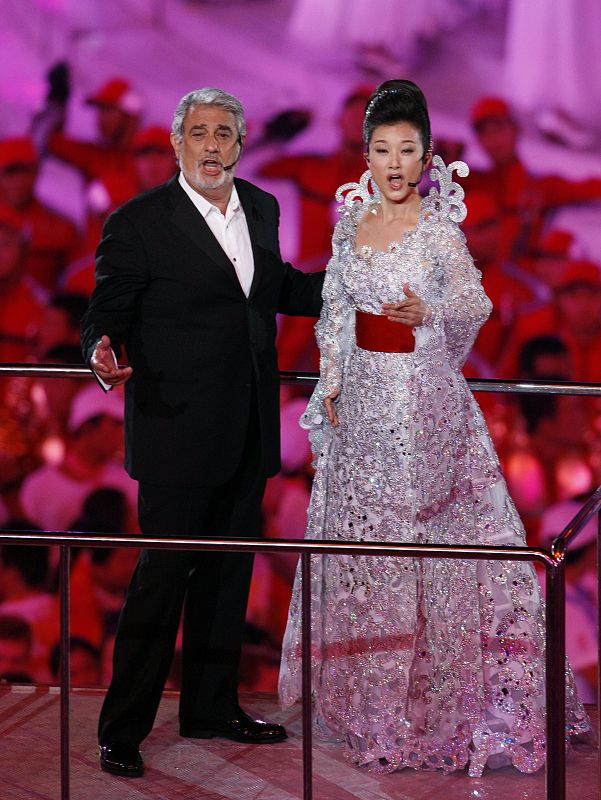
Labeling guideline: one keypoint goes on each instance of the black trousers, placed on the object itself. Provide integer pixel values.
(212, 588)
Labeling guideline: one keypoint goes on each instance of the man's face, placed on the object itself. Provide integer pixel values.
(209, 143)
(85, 669)
(17, 182)
(11, 253)
(483, 237)
(579, 306)
(546, 364)
(14, 655)
(103, 438)
(57, 329)
(153, 167)
(351, 124)
(111, 122)
(498, 138)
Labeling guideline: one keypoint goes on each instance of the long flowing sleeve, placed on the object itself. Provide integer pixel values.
(464, 307)
(335, 333)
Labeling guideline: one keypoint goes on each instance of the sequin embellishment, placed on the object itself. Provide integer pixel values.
(365, 191)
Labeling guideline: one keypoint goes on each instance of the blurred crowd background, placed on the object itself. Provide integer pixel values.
(87, 91)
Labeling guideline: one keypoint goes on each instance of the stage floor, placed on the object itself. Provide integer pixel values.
(217, 769)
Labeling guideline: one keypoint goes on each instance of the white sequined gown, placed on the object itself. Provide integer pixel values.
(421, 663)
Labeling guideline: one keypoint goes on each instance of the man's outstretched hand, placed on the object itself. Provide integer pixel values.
(104, 364)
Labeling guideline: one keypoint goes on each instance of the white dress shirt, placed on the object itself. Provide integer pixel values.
(230, 230)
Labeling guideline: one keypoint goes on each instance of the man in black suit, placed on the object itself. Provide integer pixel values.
(189, 281)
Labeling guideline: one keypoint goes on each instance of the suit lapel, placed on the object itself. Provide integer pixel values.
(190, 222)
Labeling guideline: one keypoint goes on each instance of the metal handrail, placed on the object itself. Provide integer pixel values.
(555, 643)
(572, 530)
(23, 370)
(516, 386)
(554, 564)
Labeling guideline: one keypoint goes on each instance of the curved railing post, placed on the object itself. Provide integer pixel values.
(306, 673)
(599, 644)
(65, 664)
(555, 686)
(558, 548)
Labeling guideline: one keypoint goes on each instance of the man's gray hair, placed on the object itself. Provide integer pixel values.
(209, 96)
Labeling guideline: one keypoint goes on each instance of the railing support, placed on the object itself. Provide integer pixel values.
(306, 676)
(555, 685)
(599, 645)
(65, 667)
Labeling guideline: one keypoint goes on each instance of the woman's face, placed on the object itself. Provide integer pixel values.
(395, 158)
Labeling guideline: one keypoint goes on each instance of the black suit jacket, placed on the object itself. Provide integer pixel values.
(166, 290)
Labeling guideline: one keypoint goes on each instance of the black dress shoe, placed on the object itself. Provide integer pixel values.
(240, 728)
(121, 759)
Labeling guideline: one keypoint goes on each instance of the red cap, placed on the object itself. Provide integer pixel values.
(90, 402)
(362, 90)
(360, 94)
(153, 138)
(10, 219)
(579, 272)
(119, 93)
(556, 244)
(17, 150)
(489, 108)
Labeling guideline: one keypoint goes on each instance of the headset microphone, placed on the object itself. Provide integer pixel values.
(421, 175)
(233, 164)
(418, 181)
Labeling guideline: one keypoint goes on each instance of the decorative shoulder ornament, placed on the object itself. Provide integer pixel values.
(366, 191)
(448, 200)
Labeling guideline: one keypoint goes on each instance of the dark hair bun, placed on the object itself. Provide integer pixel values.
(407, 89)
(398, 100)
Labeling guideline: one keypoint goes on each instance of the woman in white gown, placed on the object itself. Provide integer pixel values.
(415, 662)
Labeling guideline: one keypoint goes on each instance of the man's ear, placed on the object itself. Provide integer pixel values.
(176, 144)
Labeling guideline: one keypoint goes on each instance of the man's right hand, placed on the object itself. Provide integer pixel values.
(104, 364)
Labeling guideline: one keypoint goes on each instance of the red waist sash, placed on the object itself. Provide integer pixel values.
(377, 333)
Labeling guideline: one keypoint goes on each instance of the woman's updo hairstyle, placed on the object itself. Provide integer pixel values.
(398, 101)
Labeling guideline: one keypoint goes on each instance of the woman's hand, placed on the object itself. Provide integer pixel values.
(412, 311)
(331, 408)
